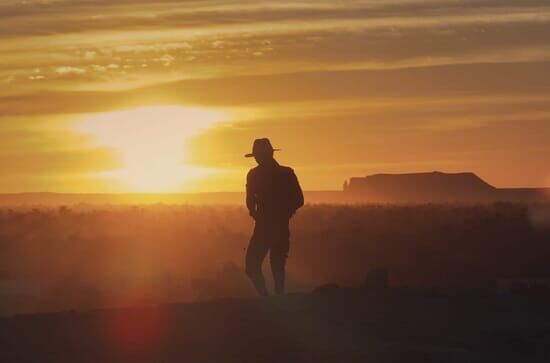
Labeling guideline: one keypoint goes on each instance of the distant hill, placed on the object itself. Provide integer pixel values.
(433, 187)
(379, 188)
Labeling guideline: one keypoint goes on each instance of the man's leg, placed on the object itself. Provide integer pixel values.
(278, 256)
(255, 254)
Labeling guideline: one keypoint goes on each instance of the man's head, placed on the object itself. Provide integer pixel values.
(262, 151)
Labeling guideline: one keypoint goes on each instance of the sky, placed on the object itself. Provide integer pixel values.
(167, 96)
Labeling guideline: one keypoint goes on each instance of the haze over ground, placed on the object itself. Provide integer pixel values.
(134, 96)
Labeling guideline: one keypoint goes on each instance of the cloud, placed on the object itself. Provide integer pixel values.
(98, 68)
(365, 143)
(238, 38)
(44, 154)
(89, 54)
(166, 59)
(69, 70)
(74, 16)
(384, 70)
(79, 161)
(36, 78)
(480, 80)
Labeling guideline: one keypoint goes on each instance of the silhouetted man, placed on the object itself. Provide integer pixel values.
(273, 195)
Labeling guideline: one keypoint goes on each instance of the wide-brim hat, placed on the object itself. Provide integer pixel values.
(261, 146)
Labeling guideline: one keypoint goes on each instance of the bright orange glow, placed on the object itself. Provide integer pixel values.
(151, 142)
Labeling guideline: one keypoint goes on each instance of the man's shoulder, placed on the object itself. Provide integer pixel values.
(252, 172)
(286, 169)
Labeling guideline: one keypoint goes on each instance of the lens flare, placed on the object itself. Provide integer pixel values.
(137, 332)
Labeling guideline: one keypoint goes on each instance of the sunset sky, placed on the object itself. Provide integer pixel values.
(167, 96)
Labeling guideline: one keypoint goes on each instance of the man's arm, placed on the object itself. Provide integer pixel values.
(297, 196)
(250, 195)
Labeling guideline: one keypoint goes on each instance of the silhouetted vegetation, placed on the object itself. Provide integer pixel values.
(81, 257)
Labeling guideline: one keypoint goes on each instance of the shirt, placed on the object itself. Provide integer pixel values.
(273, 191)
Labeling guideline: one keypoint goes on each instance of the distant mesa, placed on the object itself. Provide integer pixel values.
(425, 187)
(431, 187)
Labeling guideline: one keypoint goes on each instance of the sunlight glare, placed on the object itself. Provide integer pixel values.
(151, 142)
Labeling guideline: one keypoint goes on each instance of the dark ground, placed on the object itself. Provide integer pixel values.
(337, 325)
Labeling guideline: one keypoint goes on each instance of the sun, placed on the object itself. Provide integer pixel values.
(151, 143)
